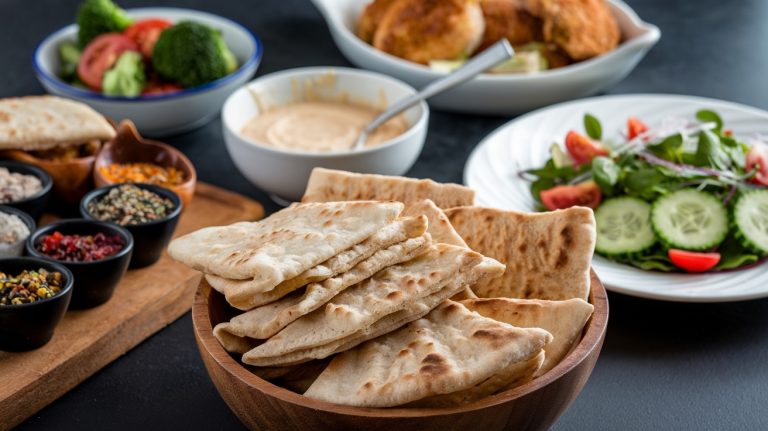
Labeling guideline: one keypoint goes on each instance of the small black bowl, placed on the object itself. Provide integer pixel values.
(150, 239)
(33, 205)
(95, 281)
(27, 219)
(29, 326)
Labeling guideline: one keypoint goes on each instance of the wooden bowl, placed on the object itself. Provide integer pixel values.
(262, 405)
(72, 178)
(129, 147)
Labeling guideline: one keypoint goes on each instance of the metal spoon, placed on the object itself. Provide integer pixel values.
(498, 52)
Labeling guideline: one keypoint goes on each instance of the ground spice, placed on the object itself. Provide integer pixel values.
(29, 286)
(12, 229)
(130, 205)
(76, 248)
(15, 186)
(142, 173)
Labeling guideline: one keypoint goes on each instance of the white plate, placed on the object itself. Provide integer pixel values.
(500, 94)
(492, 170)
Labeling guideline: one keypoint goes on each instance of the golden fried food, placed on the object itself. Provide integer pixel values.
(506, 19)
(582, 28)
(369, 20)
(426, 30)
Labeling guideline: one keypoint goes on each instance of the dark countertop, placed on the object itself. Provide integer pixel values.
(663, 366)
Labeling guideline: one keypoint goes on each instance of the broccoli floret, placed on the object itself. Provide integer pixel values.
(126, 78)
(96, 17)
(192, 54)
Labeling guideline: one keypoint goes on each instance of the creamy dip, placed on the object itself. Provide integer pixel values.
(319, 126)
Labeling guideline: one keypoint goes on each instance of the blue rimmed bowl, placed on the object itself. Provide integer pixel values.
(163, 114)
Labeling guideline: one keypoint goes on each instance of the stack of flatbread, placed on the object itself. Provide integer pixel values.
(362, 292)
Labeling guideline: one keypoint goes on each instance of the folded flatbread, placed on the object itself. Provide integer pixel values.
(242, 294)
(417, 309)
(265, 321)
(435, 355)
(563, 319)
(360, 306)
(43, 122)
(283, 245)
(439, 226)
(441, 230)
(511, 377)
(327, 185)
(547, 254)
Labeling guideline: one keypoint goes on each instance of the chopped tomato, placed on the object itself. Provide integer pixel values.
(757, 159)
(161, 88)
(692, 261)
(582, 149)
(635, 127)
(586, 194)
(100, 55)
(146, 32)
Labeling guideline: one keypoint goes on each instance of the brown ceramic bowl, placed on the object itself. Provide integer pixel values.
(129, 147)
(262, 405)
(72, 177)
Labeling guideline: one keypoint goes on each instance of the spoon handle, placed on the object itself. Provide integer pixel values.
(492, 56)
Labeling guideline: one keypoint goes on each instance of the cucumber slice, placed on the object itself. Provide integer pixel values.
(624, 227)
(750, 219)
(690, 220)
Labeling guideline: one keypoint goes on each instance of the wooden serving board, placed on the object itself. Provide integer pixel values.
(145, 301)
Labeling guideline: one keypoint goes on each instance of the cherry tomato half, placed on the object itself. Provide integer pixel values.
(146, 32)
(692, 261)
(100, 55)
(586, 194)
(582, 149)
(161, 88)
(757, 158)
(635, 127)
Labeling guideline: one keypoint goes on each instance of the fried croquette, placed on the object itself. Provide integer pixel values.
(581, 28)
(370, 18)
(507, 19)
(426, 30)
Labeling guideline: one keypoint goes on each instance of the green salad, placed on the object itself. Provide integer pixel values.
(685, 196)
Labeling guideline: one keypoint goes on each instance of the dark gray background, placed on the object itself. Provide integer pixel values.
(663, 366)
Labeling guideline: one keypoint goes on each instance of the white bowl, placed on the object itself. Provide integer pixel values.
(285, 173)
(499, 94)
(158, 115)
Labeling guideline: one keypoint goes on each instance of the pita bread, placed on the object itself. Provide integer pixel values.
(283, 245)
(44, 122)
(414, 310)
(563, 319)
(511, 377)
(439, 226)
(397, 231)
(430, 356)
(264, 322)
(330, 185)
(547, 254)
(361, 305)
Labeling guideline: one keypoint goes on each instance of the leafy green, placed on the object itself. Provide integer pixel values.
(708, 116)
(653, 262)
(593, 127)
(669, 148)
(605, 173)
(710, 152)
(734, 255)
(643, 182)
(550, 176)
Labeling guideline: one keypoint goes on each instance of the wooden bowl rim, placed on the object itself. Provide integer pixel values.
(107, 148)
(592, 336)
